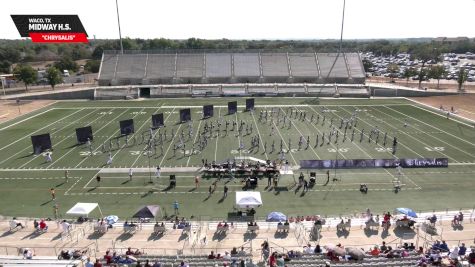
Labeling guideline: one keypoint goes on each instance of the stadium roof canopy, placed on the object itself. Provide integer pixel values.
(204, 67)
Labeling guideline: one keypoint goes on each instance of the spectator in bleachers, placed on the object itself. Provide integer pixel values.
(183, 264)
(454, 254)
(242, 252)
(383, 248)
(36, 225)
(456, 263)
(375, 251)
(157, 264)
(147, 263)
(66, 226)
(411, 246)
(27, 254)
(436, 245)
(308, 249)
(226, 256)
(432, 219)
(43, 226)
(471, 256)
(234, 252)
(280, 261)
(108, 257)
(462, 250)
(434, 257)
(318, 249)
(211, 256)
(126, 260)
(18, 223)
(444, 246)
(273, 259)
(130, 252)
(89, 263)
(420, 251)
(98, 263)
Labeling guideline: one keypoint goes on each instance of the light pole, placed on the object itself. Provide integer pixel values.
(118, 23)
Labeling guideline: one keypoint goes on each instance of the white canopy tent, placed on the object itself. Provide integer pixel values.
(247, 199)
(83, 209)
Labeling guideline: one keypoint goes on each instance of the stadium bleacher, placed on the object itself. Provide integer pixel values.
(229, 67)
(190, 68)
(161, 68)
(339, 73)
(218, 67)
(304, 67)
(246, 67)
(275, 66)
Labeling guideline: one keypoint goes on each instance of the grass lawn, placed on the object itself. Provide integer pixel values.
(25, 178)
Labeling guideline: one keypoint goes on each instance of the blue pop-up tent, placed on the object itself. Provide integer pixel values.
(276, 216)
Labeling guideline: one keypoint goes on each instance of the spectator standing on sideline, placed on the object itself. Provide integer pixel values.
(225, 191)
(130, 174)
(66, 175)
(53, 194)
(175, 207)
(98, 179)
(197, 181)
(56, 210)
(157, 172)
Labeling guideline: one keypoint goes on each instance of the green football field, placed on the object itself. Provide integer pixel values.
(25, 178)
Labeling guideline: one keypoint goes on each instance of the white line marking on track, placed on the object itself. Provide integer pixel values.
(461, 139)
(28, 135)
(432, 136)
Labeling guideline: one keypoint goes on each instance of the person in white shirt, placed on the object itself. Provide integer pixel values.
(308, 249)
(130, 174)
(65, 226)
(226, 256)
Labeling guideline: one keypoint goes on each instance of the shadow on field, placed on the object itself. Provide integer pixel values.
(46, 203)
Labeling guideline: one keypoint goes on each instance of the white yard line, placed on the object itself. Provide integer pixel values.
(72, 149)
(285, 143)
(130, 136)
(171, 143)
(192, 145)
(461, 139)
(432, 136)
(239, 136)
(71, 187)
(417, 140)
(301, 134)
(18, 122)
(331, 143)
(242, 106)
(437, 112)
(113, 120)
(62, 140)
(166, 119)
(259, 133)
(28, 135)
(217, 137)
(28, 147)
(390, 153)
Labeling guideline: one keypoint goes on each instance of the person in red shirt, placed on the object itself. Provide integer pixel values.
(273, 259)
(98, 263)
(43, 226)
(108, 257)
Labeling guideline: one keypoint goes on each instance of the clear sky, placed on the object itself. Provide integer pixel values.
(256, 19)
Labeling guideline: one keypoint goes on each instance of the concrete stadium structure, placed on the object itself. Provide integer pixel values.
(164, 68)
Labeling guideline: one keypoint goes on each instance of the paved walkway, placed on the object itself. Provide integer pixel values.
(203, 237)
